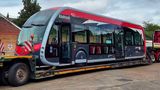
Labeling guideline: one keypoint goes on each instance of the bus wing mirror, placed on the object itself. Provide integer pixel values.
(32, 36)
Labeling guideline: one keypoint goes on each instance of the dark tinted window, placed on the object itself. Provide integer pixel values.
(65, 33)
(94, 34)
(53, 37)
(138, 38)
(25, 34)
(132, 37)
(80, 36)
(129, 36)
(107, 37)
(107, 32)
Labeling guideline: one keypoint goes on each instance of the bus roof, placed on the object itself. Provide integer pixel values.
(86, 15)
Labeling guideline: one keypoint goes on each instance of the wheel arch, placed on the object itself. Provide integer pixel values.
(82, 49)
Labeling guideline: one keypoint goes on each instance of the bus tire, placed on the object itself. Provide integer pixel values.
(81, 58)
(153, 58)
(18, 74)
(3, 80)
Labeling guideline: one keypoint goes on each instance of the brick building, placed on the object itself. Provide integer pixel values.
(8, 35)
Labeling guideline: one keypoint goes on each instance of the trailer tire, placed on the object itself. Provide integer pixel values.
(18, 74)
(3, 80)
(149, 59)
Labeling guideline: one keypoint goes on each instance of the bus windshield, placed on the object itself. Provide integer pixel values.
(35, 25)
(25, 34)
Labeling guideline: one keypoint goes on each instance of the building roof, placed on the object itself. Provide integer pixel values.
(7, 27)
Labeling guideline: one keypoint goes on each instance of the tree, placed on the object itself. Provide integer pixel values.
(30, 7)
(149, 29)
(7, 15)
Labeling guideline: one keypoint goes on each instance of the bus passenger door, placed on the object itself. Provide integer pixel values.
(52, 46)
(119, 45)
(65, 50)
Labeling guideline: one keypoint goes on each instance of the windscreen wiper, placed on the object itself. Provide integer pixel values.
(37, 24)
(26, 26)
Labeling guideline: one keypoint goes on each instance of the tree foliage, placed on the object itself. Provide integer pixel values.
(149, 29)
(30, 7)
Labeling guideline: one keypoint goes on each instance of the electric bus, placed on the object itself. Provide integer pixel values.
(65, 37)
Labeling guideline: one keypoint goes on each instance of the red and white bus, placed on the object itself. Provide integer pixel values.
(61, 37)
(66, 36)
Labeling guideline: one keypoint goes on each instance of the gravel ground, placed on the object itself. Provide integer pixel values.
(132, 78)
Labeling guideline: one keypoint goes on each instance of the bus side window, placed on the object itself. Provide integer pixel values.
(53, 37)
(94, 35)
(52, 44)
(65, 34)
(80, 37)
(137, 38)
(129, 38)
(107, 37)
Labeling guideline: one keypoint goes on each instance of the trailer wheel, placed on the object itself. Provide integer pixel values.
(18, 74)
(153, 58)
(148, 57)
(3, 80)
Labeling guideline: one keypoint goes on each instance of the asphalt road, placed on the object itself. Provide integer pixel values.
(132, 78)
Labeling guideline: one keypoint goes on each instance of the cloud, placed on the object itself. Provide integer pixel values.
(96, 6)
(13, 12)
(55, 3)
(10, 6)
(135, 11)
(129, 10)
(9, 3)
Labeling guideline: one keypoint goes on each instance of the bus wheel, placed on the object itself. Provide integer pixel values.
(18, 74)
(81, 58)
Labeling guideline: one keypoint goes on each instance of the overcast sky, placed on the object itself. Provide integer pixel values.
(135, 11)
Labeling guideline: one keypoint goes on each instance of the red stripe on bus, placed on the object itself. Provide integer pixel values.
(84, 15)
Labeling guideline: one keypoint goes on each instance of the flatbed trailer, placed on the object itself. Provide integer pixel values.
(39, 72)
